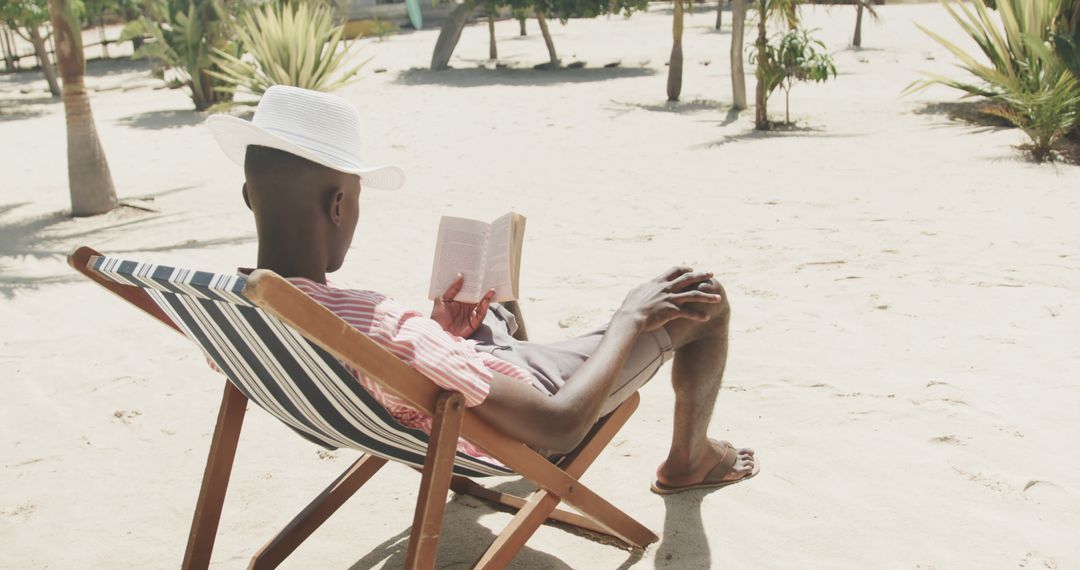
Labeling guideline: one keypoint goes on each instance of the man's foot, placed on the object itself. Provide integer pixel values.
(721, 465)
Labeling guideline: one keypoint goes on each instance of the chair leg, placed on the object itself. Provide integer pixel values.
(465, 486)
(317, 512)
(543, 503)
(215, 479)
(435, 482)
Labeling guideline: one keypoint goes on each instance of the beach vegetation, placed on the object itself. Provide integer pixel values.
(1028, 65)
(791, 58)
(27, 19)
(89, 180)
(183, 36)
(298, 44)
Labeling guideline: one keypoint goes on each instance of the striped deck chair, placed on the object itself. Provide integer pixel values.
(283, 351)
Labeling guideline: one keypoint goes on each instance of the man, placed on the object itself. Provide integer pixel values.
(303, 179)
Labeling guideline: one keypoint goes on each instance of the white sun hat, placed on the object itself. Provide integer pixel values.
(320, 127)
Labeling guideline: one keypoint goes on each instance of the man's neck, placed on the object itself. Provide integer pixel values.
(291, 262)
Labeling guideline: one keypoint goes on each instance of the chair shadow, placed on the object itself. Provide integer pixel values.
(463, 539)
(160, 120)
(479, 77)
(684, 543)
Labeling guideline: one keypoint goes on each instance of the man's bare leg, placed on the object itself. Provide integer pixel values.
(696, 375)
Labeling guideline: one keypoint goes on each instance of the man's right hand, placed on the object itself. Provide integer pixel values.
(659, 301)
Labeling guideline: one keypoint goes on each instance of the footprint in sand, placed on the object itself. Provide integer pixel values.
(1044, 492)
(1035, 560)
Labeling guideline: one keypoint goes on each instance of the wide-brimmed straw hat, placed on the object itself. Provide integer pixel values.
(320, 127)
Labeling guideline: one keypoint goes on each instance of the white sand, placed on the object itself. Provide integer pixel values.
(903, 352)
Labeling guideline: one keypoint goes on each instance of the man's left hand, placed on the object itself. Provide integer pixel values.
(458, 318)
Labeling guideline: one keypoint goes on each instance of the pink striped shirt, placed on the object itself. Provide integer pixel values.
(449, 361)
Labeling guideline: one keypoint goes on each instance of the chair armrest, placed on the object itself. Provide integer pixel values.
(515, 308)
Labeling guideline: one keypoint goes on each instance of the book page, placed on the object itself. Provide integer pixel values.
(498, 271)
(459, 249)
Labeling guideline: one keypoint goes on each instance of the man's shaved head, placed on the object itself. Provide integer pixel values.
(305, 213)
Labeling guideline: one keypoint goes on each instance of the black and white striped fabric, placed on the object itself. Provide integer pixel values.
(274, 366)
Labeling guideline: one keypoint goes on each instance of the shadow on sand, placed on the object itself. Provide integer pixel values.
(463, 539)
(684, 543)
(785, 131)
(972, 113)
(479, 77)
(165, 119)
(26, 107)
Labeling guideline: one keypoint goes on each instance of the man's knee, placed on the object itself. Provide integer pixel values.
(718, 312)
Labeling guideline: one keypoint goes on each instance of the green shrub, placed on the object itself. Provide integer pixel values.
(793, 58)
(1037, 91)
(289, 44)
(183, 33)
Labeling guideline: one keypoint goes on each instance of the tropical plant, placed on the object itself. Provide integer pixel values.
(89, 180)
(183, 34)
(794, 58)
(31, 15)
(285, 44)
(1031, 82)
(786, 11)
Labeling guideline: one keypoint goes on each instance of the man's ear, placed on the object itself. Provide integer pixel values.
(247, 199)
(337, 202)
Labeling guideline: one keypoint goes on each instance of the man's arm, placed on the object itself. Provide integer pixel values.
(560, 422)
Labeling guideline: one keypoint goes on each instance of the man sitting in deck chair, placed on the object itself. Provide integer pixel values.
(303, 178)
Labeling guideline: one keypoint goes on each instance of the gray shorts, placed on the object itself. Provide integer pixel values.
(553, 363)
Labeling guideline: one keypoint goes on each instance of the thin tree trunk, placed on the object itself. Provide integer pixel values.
(674, 77)
(493, 50)
(554, 59)
(89, 179)
(449, 35)
(521, 22)
(101, 34)
(10, 63)
(43, 57)
(857, 40)
(761, 113)
(787, 106)
(738, 75)
(719, 13)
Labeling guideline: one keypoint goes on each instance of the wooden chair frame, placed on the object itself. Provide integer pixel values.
(556, 484)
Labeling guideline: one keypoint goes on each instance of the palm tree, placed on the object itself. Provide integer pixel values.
(89, 179)
(553, 59)
(738, 76)
(674, 78)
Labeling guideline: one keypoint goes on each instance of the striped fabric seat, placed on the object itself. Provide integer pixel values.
(294, 380)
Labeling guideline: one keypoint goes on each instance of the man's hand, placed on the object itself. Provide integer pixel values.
(656, 302)
(456, 318)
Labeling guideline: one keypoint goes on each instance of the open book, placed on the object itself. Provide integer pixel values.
(488, 255)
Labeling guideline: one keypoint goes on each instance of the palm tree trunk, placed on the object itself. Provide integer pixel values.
(101, 34)
(43, 57)
(521, 22)
(674, 78)
(553, 58)
(738, 75)
(449, 35)
(857, 40)
(719, 13)
(761, 113)
(89, 179)
(493, 50)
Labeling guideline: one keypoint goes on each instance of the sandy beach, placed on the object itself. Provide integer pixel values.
(903, 352)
